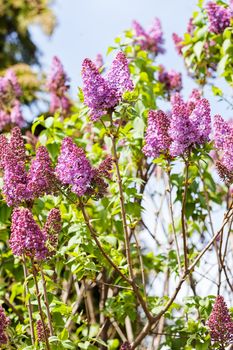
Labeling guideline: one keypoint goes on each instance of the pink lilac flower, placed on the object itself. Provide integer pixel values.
(125, 346)
(191, 26)
(171, 79)
(219, 17)
(152, 39)
(104, 93)
(220, 323)
(58, 86)
(10, 109)
(157, 139)
(105, 167)
(99, 62)
(13, 163)
(26, 236)
(73, 167)
(4, 322)
(223, 140)
(20, 186)
(188, 125)
(41, 176)
(40, 331)
(118, 76)
(52, 229)
(178, 41)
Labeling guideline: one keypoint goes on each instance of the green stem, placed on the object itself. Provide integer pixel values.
(28, 303)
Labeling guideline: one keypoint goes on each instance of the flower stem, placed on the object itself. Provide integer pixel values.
(183, 223)
(46, 301)
(34, 272)
(28, 303)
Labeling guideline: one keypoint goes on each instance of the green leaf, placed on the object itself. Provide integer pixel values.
(197, 48)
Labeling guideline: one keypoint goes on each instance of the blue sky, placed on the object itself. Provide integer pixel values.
(86, 28)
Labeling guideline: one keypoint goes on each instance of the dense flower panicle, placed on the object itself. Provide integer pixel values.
(51, 230)
(98, 95)
(12, 160)
(17, 144)
(201, 121)
(156, 36)
(193, 99)
(4, 322)
(19, 185)
(171, 79)
(3, 149)
(152, 39)
(223, 140)
(41, 176)
(103, 93)
(222, 131)
(191, 26)
(220, 323)
(26, 236)
(73, 167)
(178, 41)
(219, 17)
(15, 182)
(9, 89)
(40, 331)
(157, 138)
(99, 61)
(10, 109)
(58, 86)
(118, 76)
(16, 116)
(105, 167)
(125, 346)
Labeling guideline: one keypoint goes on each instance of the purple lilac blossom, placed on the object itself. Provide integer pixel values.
(26, 236)
(171, 79)
(10, 109)
(157, 138)
(219, 17)
(220, 323)
(152, 39)
(41, 176)
(52, 229)
(99, 62)
(178, 41)
(58, 86)
(223, 140)
(4, 322)
(20, 186)
(104, 93)
(73, 167)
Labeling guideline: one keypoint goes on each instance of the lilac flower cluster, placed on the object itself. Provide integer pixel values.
(104, 93)
(189, 124)
(171, 79)
(125, 346)
(178, 41)
(4, 322)
(58, 86)
(223, 140)
(99, 62)
(219, 17)
(73, 168)
(10, 111)
(19, 185)
(40, 331)
(150, 40)
(51, 230)
(26, 236)
(157, 138)
(220, 323)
